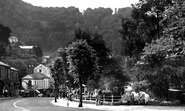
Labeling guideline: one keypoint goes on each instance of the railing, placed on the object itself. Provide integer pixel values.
(104, 98)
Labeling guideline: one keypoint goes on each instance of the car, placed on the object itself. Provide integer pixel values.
(39, 95)
(52, 95)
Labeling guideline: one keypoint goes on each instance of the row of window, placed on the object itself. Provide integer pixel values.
(41, 84)
(7, 73)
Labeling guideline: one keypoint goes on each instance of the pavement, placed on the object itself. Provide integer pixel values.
(73, 104)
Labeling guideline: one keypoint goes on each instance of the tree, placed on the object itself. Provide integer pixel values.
(164, 57)
(61, 52)
(83, 63)
(114, 75)
(97, 43)
(4, 39)
(58, 74)
(145, 25)
(38, 50)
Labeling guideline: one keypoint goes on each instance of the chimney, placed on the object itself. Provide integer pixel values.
(115, 11)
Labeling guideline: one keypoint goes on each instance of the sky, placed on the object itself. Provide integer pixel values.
(83, 4)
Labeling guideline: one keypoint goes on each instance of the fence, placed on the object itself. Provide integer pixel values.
(110, 98)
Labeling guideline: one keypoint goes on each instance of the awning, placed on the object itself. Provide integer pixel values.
(37, 91)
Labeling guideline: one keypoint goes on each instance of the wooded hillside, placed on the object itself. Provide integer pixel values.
(54, 27)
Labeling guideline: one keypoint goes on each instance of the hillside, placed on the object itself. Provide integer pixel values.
(54, 27)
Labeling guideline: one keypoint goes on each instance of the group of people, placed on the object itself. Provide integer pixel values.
(132, 97)
(5, 93)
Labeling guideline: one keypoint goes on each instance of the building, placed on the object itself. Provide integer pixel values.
(8, 80)
(36, 81)
(40, 79)
(43, 69)
(22, 50)
(26, 50)
(14, 84)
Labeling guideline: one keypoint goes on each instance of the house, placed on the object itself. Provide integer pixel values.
(8, 79)
(35, 81)
(40, 79)
(26, 50)
(14, 84)
(43, 69)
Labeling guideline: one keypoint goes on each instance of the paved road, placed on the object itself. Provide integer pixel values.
(44, 104)
(35, 104)
(8, 105)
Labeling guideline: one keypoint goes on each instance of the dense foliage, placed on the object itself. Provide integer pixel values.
(160, 30)
(54, 27)
(4, 39)
(83, 63)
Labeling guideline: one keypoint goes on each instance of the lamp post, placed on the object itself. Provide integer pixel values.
(68, 92)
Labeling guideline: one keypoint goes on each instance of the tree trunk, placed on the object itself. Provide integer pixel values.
(167, 96)
(80, 93)
(55, 94)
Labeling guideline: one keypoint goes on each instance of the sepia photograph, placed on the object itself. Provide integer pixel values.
(92, 55)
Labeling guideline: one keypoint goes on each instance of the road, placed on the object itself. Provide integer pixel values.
(35, 104)
(44, 104)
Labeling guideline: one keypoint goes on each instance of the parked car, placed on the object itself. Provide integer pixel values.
(39, 95)
(52, 95)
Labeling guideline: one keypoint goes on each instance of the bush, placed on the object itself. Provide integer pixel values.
(164, 103)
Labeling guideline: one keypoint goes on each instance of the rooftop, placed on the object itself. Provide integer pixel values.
(26, 47)
(3, 64)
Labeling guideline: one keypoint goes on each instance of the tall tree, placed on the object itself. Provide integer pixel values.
(83, 63)
(38, 50)
(97, 43)
(58, 74)
(165, 56)
(145, 25)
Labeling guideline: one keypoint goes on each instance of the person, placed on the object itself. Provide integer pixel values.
(127, 95)
(182, 98)
(5, 92)
(96, 96)
(99, 96)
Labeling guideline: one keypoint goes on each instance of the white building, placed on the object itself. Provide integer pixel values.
(43, 69)
(36, 81)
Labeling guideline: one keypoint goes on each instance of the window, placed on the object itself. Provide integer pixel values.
(0, 72)
(40, 70)
(6, 70)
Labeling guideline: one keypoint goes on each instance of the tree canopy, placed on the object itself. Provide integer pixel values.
(83, 63)
(4, 39)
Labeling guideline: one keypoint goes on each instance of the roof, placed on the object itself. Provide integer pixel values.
(176, 90)
(36, 76)
(3, 64)
(26, 47)
(27, 77)
(12, 68)
(41, 66)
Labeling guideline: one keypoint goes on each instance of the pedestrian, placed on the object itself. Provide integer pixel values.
(127, 95)
(99, 96)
